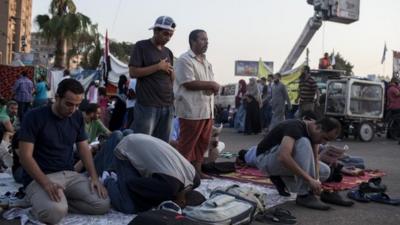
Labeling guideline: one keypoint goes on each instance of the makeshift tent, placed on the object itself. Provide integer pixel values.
(84, 77)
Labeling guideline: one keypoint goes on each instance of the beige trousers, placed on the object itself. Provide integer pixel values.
(76, 198)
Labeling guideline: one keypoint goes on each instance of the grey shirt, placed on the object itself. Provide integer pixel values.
(154, 89)
(279, 95)
(151, 155)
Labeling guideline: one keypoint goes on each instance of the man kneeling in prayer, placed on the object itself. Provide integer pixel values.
(289, 153)
(146, 172)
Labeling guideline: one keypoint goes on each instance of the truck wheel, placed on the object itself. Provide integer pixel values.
(366, 132)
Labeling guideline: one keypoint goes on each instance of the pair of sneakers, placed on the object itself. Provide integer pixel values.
(108, 175)
(14, 200)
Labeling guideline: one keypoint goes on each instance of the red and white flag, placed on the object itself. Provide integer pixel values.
(396, 64)
(106, 56)
(106, 49)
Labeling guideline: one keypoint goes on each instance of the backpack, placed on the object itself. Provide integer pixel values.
(248, 193)
(222, 208)
(161, 217)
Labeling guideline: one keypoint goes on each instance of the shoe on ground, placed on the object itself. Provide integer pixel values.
(335, 198)
(310, 201)
(170, 206)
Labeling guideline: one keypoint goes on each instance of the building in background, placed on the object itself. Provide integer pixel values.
(43, 49)
(15, 28)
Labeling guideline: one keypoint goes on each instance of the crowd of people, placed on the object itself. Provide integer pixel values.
(263, 103)
(71, 156)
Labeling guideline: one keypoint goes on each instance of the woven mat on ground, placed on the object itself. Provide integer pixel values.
(255, 176)
(248, 175)
(350, 182)
(272, 199)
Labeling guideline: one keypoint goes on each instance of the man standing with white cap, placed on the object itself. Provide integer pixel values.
(151, 63)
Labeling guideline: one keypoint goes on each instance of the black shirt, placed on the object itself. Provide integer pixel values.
(53, 138)
(154, 89)
(295, 129)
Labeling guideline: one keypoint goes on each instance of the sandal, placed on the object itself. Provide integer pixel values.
(277, 216)
(373, 186)
(383, 198)
(358, 195)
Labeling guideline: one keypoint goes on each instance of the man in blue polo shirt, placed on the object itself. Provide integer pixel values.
(47, 137)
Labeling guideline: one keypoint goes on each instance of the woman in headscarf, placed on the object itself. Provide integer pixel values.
(253, 101)
(241, 112)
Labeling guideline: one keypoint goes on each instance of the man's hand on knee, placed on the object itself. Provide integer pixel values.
(54, 191)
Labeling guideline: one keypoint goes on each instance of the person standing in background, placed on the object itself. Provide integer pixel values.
(195, 100)
(151, 63)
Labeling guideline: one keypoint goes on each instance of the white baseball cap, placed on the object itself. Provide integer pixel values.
(164, 22)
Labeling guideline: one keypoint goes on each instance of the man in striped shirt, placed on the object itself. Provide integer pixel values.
(308, 92)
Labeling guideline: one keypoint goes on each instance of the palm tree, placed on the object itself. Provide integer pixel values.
(63, 26)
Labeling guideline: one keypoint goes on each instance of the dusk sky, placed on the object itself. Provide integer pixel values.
(248, 30)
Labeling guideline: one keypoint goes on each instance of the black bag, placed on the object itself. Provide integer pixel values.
(218, 167)
(161, 217)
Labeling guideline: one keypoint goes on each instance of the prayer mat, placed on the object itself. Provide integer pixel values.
(248, 175)
(255, 176)
(7, 183)
(350, 182)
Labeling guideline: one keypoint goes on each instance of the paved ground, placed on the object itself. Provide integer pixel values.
(379, 154)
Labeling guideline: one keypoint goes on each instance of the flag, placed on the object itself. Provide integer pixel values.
(396, 64)
(384, 54)
(263, 70)
(333, 59)
(106, 59)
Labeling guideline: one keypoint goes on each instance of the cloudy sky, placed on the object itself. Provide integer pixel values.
(248, 30)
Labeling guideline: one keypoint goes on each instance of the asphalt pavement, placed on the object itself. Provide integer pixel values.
(380, 154)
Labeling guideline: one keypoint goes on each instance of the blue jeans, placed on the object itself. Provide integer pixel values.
(239, 118)
(154, 121)
(118, 190)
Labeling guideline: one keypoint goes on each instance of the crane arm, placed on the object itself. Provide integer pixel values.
(312, 26)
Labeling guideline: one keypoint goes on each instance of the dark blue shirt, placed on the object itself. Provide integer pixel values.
(53, 138)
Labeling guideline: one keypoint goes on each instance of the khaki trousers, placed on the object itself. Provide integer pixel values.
(76, 198)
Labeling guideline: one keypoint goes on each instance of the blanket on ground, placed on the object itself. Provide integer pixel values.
(7, 183)
(255, 176)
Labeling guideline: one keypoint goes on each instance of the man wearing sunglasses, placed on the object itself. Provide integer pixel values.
(151, 63)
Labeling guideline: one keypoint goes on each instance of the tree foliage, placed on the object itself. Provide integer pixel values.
(121, 50)
(342, 64)
(68, 28)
